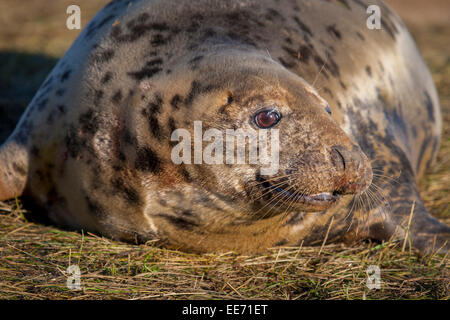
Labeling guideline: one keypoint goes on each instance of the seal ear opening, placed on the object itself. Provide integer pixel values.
(13, 169)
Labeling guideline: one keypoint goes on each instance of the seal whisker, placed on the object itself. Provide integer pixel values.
(297, 195)
(380, 193)
(279, 196)
(270, 190)
(292, 200)
(350, 212)
(270, 179)
(320, 71)
(386, 178)
(385, 200)
(271, 185)
(353, 201)
(359, 208)
(287, 196)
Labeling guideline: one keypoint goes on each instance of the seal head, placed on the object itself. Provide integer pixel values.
(318, 162)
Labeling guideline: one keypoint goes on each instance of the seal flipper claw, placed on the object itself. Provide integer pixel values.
(13, 169)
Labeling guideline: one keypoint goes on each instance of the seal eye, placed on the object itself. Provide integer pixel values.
(327, 109)
(267, 118)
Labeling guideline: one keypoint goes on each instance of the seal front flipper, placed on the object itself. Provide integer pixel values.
(402, 215)
(13, 169)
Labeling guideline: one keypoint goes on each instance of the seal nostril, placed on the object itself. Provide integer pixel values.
(338, 159)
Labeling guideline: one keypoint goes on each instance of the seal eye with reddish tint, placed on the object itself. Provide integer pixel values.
(267, 118)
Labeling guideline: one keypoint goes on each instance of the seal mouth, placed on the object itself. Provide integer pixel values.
(320, 198)
(319, 201)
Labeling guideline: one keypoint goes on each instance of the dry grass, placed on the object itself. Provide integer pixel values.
(34, 258)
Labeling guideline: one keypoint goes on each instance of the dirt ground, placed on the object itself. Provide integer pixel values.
(34, 258)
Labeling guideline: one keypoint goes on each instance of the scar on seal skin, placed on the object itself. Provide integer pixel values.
(357, 112)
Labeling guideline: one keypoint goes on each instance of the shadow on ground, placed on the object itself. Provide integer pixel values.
(21, 74)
